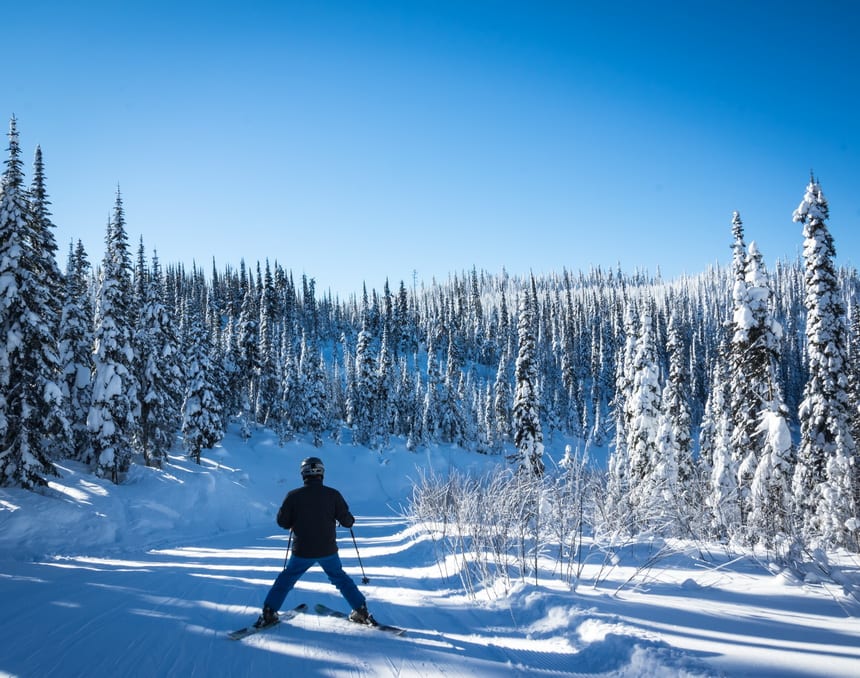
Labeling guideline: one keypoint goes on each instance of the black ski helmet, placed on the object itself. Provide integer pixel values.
(312, 467)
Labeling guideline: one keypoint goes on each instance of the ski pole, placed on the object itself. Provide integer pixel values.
(364, 579)
(289, 544)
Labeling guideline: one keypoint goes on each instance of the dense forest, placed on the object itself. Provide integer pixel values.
(729, 396)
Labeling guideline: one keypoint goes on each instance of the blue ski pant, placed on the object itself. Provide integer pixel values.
(296, 567)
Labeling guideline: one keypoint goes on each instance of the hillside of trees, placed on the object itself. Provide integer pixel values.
(730, 396)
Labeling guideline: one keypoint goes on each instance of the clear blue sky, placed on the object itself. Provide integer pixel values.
(354, 141)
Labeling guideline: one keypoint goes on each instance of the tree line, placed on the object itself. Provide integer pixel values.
(734, 391)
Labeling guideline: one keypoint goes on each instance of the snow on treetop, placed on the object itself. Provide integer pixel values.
(813, 206)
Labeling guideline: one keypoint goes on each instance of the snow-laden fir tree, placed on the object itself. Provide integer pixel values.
(826, 459)
(854, 389)
(202, 422)
(46, 295)
(618, 481)
(112, 415)
(386, 389)
(747, 353)
(162, 373)
(76, 351)
(765, 466)
(716, 434)
(404, 406)
(312, 369)
(247, 349)
(528, 433)
(364, 406)
(293, 399)
(669, 483)
(428, 432)
(268, 350)
(452, 423)
(31, 407)
(502, 402)
(643, 411)
(44, 244)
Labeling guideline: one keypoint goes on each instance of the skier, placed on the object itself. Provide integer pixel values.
(310, 512)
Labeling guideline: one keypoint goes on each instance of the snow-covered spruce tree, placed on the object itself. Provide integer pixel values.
(162, 374)
(722, 499)
(364, 407)
(452, 424)
(764, 471)
(528, 434)
(502, 403)
(312, 368)
(770, 491)
(670, 481)
(854, 388)
(76, 351)
(618, 481)
(268, 349)
(202, 424)
(404, 406)
(385, 390)
(622, 398)
(233, 381)
(112, 415)
(746, 352)
(47, 296)
(44, 244)
(248, 354)
(643, 410)
(430, 399)
(29, 367)
(823, 480)
(292, 407)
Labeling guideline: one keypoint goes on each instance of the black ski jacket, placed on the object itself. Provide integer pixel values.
(310, 512)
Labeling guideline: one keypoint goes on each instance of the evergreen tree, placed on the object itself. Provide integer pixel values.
(766, 465)
(111, 419)
(268, 349)
(202, 425)
(364, 406)
(722, 499)
(385, 390)
(46, 295)
(44, 244)
(294, 405)
(643, 410)
(30, 395)
(528, 433)
(502, 403)
(162, 375)
(452, 422)
(430, 400)
(770, 490)
(670, 481)
(312, 368)
(824, 476)
(76, 351)
(745, 358)
(247, 349)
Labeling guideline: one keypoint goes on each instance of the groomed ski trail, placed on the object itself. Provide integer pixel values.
(169, 610)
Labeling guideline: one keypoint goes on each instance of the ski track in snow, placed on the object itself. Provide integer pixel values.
(148, 578)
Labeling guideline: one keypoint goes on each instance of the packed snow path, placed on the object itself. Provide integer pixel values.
(166, 612)
(147, 578)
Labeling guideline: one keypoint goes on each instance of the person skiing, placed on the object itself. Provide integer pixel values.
(310, 511)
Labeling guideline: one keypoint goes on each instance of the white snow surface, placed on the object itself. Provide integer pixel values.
(146, 579)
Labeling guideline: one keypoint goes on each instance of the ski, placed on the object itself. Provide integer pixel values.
(328, 612)
(238, 634)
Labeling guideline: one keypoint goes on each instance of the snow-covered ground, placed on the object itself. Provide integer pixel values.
(146, 578)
